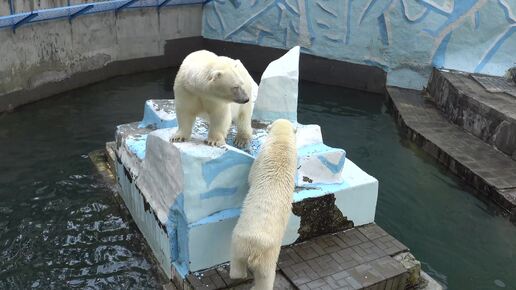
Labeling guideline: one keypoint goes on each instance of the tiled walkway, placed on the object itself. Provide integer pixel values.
(359, 258)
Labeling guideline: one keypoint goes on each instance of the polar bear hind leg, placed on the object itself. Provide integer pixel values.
(239, 258)
(264, 269)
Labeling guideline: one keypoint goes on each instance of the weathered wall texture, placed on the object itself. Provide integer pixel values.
(52, 51)
(20, 6)
(404, 37)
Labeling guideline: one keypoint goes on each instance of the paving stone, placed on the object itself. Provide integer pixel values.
(300, 273)
(388, 267)
(280, 283)
(325, 265)
(352, 237)
(329, 243)
(365, 275)
(347, 258)
(372, 231)
(288, 257)
(223, 271)
(308, 250)
(337, 281)
(390, 245)
(368, 251)
(209, 279)
(378, 271)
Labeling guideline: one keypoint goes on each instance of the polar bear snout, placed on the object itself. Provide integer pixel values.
(239, 95)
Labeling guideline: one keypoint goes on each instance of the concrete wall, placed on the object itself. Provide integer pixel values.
(31, 5)
(56, 52)
(403, 37)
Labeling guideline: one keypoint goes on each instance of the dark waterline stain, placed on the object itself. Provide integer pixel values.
(60, 228)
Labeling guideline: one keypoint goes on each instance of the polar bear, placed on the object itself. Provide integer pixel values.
(257, 237)
(218, 89)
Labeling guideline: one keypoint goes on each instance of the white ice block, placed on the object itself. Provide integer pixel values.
(159, 114)
(130, 142)
(278, 89)
(319, 164)
(210, 179)
(356, 195)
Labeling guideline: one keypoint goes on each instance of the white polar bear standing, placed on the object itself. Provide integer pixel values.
(257, 237)
(217, 88)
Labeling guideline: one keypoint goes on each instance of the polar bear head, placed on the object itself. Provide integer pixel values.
(226, 82)
(281, 127)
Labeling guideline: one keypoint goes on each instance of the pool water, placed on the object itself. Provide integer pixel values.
(61, 228)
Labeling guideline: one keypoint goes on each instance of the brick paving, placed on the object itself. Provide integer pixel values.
(359, 258)
(488, 170)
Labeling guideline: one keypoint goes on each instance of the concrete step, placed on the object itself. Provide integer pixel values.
(485, 106)
(488, 170)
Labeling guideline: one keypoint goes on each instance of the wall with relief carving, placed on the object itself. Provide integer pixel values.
(404, 37)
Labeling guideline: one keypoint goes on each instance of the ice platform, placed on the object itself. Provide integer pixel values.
(186, 197)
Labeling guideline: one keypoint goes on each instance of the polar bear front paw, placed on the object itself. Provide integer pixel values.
(242, 140)
(178, 138)
(215, 142)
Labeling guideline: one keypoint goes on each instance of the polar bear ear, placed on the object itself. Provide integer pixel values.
(215, 75)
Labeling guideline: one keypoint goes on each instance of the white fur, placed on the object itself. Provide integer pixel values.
(203, 87)
(257, 237)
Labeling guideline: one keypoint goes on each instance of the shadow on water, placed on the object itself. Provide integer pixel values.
(60, 228)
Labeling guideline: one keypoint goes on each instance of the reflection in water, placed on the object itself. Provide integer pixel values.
(61, 228)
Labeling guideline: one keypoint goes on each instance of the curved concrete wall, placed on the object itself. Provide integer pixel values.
(46, 58)
(403, 37)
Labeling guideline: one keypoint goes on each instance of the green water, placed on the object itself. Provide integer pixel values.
(60, 227)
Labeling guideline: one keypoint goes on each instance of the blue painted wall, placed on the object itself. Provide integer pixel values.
(404, 37)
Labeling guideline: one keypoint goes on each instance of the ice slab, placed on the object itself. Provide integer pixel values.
(159, 114)
(216, 176)
(278, 89)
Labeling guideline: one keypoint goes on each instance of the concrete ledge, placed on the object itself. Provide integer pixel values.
(489, 171)
(75, 61)
(175, 51)
(48, 57)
